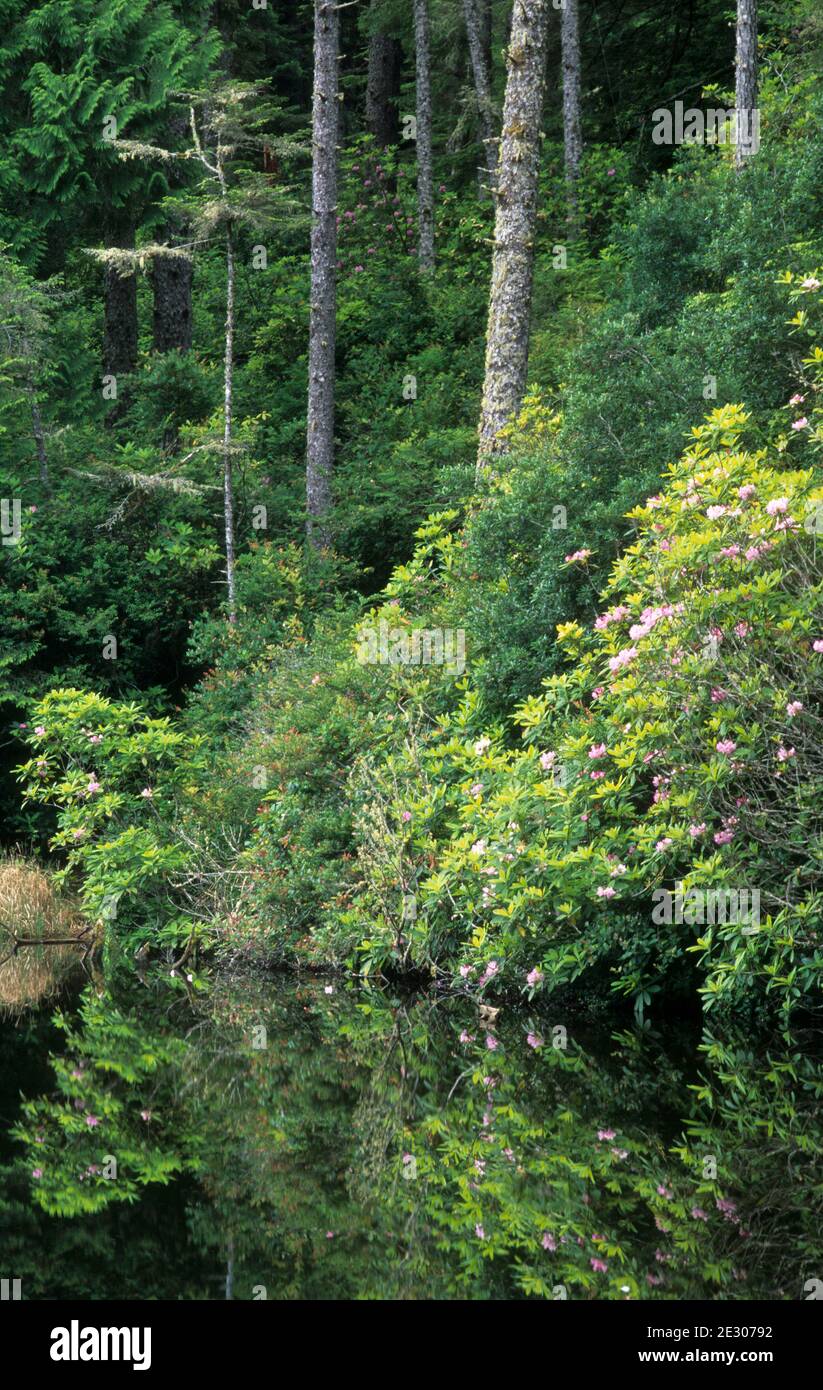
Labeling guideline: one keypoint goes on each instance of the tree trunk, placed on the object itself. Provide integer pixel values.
(748, 117)
(507, 334)
(481, 68)
(485, 7)
(172, 277)
(572, 114)
(120, 321)
(323, 311)
(228, 394)
(383, 88)
(425, 170)
(39, 436)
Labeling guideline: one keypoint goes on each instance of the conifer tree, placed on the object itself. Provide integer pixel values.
(507, 334)
(226, 121)
(323, 312)
(746, 81)
(425, 158)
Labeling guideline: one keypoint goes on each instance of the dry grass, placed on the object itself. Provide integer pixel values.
(31, 911)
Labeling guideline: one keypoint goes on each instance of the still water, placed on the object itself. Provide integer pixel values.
(286, 1139)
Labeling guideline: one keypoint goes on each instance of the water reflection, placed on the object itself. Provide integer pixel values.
(285, 1142)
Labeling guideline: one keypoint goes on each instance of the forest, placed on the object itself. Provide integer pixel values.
(411, 649)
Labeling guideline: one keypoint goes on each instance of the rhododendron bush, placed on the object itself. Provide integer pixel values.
(662, 819)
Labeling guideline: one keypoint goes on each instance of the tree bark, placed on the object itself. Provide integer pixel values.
(383, 88)
(479, 53)
(172, 278)
(748, 118)
(507, 334)
(323, 310)
(39, 435)
(425, 165)
(572, 111)
(120, 315)
(228, 402)
(485, 7)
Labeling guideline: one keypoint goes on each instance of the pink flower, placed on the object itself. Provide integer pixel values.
(580, 556)
(607, 1134)
(783, 754)
(794, 707)
(479, 1232)
(94, 786)
(664, 1191)
(698, 1214)
(796, 399)
(810, 283)
(801, 424)
(817, 644)
(723, 837)
(746, 491)
(481, 745)
(725, 745)
(599, 1266)
(777, 504)
(548, 1241)
(614, 615)
(465, 970)
(742, 629)
(605, 892)
(330, 1235)
(696, 830)
(547, 761)
(406, 816)
(597, 692)
(147, 793)
(466, 1037)
(534, 977)
(37, 1172)
(597, 750)
(623, 658)
(476, 789)
(534, 1040)
(713, 513)
(39, 729)
(491, 1042)
(145, 1115)
(92, 1121)
(663, 844)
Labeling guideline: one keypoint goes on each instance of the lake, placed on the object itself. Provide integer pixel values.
(288, 1138)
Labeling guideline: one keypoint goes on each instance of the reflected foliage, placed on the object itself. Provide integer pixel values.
(289, 1140)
